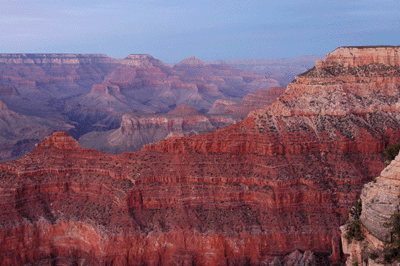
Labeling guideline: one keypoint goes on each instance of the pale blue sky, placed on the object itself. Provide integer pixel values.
(172, 30)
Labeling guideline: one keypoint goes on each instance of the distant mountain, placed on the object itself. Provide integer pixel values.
(283, 70)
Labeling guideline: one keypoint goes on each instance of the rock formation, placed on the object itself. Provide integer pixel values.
(19, 133)
(229, 81)
(282, 70)
(250, 102)
(137, 130)
(192, 61)
(93, 92)
(380, 201)
(297, 258)
(282, 179)
(339, 120)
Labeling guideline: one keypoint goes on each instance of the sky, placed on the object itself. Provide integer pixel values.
(172, 30)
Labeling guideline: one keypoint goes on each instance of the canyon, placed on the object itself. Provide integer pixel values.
(282, 179)
(89, 93)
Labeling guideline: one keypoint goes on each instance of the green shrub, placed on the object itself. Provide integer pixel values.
(391, 152)
(354, 232)
(374, 255)
(356, 209)
(392, 250)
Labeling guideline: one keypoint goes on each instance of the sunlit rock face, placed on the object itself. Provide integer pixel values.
(380, 201)
(282, 179)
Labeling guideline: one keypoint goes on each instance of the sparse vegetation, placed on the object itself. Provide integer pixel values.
(355, 232)
(374, 255)
(391, 152)
(354, 229)
(356, 209)
(392, 250)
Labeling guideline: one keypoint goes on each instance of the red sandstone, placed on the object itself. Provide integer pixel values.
(282, 179)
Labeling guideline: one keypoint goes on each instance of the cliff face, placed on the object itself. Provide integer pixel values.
(138, 130)
(250, 102)
(52, 71)
(282, 179)
(325, 134)
(365, 55)
(66, 204)
(380, 201)
(19, 133)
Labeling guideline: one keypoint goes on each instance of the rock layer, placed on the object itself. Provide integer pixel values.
(137, 130)
(19, 133)
(93, 92)
(250, 102)
(380, 200)
(282, 179)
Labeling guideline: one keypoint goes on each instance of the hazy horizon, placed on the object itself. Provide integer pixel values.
(210, 30)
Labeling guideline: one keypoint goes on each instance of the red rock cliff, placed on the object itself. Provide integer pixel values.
(282, 179)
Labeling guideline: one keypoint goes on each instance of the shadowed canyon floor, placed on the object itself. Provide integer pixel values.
(282, 179)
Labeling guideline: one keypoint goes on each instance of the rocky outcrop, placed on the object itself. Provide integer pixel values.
(359, 56)
(141, 60)
(59, 140)
(380, 201)
(220, 106)
(192, 61)
(184, 110)
(137, 130)
(297, 258)
(253, 101)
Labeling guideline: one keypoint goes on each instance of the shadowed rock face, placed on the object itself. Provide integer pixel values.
(19, 133)
(282, 179)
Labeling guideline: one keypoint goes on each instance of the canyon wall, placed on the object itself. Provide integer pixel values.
(379, 201)
(282, 179)
(137, 130)
(93, 92)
